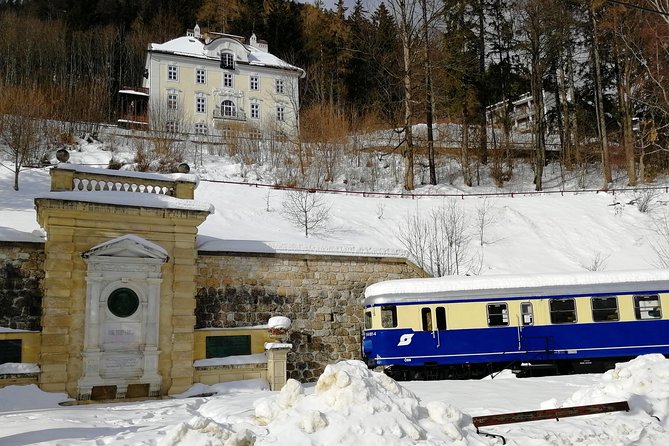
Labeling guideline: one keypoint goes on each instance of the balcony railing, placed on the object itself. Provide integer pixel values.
(236, 115)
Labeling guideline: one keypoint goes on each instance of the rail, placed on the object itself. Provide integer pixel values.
(546, 414)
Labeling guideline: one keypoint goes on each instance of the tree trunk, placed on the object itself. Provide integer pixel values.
(624, 102)
(483, 141)
(429, 100)
(599, 101)
(538, 123)
(408, 151)
(464, 151)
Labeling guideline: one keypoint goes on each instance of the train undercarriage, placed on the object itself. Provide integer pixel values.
(436, 371)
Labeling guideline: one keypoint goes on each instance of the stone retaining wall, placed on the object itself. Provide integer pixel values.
(322, 295)
(21, 275)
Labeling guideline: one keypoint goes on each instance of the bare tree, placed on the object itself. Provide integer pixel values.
(440, 242)
(307, 210)
(23, 131)
(484, 218)
(661, 246)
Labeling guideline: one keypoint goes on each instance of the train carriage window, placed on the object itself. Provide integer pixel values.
(647, 307)
(368, 320)
(389, 317)
(604, 309)
(441, 318)
(426, 317)
(526, 313)
(563, 311)
(498, 315)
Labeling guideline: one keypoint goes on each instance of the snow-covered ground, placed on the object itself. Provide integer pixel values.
(351, 405)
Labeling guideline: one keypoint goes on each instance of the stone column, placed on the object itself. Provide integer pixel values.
(277, 355)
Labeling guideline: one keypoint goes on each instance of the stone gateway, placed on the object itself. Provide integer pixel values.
(119, 303)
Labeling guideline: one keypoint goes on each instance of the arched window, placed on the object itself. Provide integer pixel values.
(228, 108)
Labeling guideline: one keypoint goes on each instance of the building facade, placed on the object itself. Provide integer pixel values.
(205, 83)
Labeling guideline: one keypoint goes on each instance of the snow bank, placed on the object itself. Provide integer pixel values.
(354, 405)
(247, 385)
(643, 382)
(14, 398)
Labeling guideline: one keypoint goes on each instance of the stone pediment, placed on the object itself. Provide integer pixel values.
(128, 246)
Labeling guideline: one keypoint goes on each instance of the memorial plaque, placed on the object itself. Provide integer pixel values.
(121, 366)
(222, 346)
(122, 333)
(103, 393)
(137, 391)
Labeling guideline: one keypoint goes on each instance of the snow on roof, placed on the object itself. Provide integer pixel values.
(256, 358)
(18, 368)
(192, 47)
(135, 92)
(189, 46)
(211, 244)
(434, 287)
(130, 199)
(167, 177)
(134, 238)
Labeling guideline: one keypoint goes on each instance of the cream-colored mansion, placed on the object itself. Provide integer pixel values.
(206, 83)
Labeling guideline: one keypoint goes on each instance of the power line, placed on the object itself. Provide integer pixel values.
(639, 7)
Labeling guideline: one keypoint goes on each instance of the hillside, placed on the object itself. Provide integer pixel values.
(525, 232)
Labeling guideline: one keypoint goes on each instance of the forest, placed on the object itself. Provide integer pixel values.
(595, 70)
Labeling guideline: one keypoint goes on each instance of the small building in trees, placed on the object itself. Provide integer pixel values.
(212, 82)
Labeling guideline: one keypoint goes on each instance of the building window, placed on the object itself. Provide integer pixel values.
(604, 309)
(172, 101)
(10, 350)
(255, 83)
(426, 317)
(255, 110)
(441, 318)
(498, 315)
(201, 128)
(172, 73)
(228, 61)
(280, 113)
(227, 80)
(563, 311)
(172, 127)
(200, 76)
(647, 307)
(389, 317)
(228, 108)
(201, 104)
(255, 134)
(280, 86)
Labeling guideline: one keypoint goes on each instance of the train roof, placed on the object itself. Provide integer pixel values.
(510, 286)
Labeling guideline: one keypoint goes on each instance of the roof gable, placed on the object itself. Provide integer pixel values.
(128, 245)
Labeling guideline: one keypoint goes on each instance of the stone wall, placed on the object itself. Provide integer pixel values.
(21, 275)
(322, 295)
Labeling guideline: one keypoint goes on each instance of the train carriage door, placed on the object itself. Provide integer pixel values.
(440, 313)
(526, 319)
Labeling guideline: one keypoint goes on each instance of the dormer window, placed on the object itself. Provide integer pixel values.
(228, 61)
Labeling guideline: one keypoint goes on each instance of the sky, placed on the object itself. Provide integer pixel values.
(529, 233)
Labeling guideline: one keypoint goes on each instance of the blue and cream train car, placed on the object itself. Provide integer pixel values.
(469, 326)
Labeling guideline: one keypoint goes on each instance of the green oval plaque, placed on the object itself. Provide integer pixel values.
(123, 302)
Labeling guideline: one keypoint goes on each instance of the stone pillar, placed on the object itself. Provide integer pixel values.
(277, 355)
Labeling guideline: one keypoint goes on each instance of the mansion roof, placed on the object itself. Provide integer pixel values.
(210, 49)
